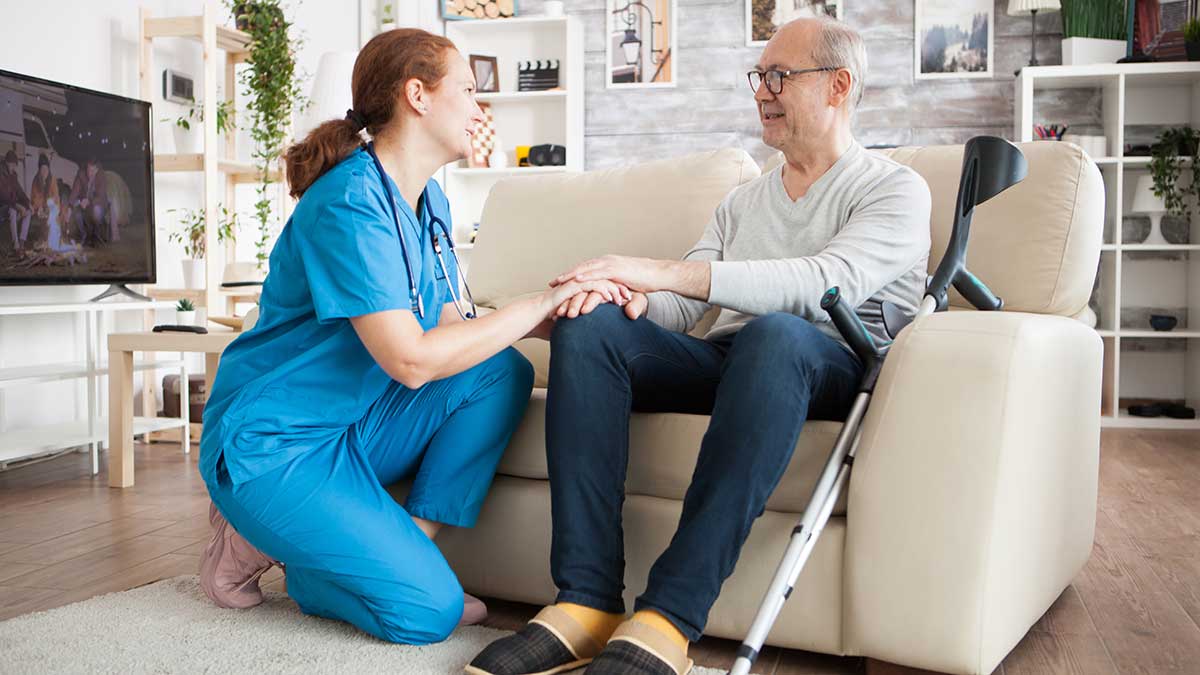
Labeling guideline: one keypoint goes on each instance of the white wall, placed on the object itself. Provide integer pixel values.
(93, 44)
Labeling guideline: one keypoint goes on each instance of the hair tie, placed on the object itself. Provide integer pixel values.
(357, 118)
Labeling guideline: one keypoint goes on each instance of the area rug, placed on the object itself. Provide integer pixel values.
(170, 627)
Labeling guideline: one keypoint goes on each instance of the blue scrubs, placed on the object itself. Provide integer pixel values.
(303, 428)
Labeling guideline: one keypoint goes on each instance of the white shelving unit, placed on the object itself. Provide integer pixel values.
(521, 118)
(1139, 363)
(28, 443)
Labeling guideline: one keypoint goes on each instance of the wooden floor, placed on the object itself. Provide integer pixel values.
(1135, 608)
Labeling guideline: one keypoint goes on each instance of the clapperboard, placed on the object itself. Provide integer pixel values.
(537, 75)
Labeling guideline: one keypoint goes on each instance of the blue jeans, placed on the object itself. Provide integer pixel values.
(759, 385)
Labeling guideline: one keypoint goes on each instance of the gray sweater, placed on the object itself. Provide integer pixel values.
(863, 226)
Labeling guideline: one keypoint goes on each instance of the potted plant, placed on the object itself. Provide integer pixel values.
(1167, 157)
(387, 17)
(1093, 31)
(273, 90)
(1191, 38)
(185, 313)
(187, 142)
(192, 224)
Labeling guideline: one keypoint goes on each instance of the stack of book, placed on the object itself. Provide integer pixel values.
(537, 75)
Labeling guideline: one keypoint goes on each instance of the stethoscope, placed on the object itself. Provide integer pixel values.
(434, 222)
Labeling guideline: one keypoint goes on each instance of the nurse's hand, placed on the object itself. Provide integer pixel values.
(566, 293)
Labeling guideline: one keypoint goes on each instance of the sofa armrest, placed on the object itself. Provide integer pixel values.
(972, 501)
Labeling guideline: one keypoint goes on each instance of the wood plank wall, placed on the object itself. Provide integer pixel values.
(712, 105)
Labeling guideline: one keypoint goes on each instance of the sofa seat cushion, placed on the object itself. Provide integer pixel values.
(663, 449)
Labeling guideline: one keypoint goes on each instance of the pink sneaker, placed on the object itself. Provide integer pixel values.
(474, 611)
(230, 566)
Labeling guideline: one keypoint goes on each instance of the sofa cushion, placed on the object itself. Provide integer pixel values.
(533, 228)
(663, 449)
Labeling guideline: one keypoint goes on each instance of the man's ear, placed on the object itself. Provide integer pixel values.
(840, 87)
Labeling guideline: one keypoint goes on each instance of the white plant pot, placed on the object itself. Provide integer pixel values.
(1082, 51)
(185, 318)
(187, 141)
(193, 274)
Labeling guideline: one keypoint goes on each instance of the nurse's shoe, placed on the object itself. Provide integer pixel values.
(474, 611)
(230, 566)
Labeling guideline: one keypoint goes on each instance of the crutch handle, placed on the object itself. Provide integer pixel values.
(850, 326)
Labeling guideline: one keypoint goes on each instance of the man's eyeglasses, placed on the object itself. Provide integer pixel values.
(774, 78)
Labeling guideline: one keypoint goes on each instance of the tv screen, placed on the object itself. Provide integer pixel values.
(76, 186)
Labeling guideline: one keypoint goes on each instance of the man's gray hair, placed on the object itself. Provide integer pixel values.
(840, 45)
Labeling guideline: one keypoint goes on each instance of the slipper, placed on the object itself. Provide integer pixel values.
(474, 611)
(552, 642)
(638, 649)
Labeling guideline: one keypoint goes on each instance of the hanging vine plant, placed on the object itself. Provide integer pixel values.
(273, 86)
(1174, 148)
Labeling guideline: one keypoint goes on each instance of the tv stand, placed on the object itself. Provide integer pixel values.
(119, 289)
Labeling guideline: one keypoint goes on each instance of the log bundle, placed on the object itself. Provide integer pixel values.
(479, 9)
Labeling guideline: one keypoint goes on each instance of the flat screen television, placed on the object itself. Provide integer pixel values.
(76, 185)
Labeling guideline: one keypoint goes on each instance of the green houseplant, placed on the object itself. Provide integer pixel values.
(273, 92)
(1173, 148)
(190, 233)
(1191, 38)
(185, 312)
(1093, 31)
(185, 141)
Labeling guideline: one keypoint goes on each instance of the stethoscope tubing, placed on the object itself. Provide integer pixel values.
(414, 296)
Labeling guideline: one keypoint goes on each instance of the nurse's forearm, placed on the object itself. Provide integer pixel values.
(451, 348)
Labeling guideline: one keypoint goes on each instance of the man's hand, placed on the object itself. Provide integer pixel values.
(637, 274)
(584, 303)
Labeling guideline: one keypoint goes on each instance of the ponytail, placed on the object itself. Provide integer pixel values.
(382, 68)
(319, 152)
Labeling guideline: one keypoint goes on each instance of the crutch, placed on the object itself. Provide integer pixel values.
(990, 166)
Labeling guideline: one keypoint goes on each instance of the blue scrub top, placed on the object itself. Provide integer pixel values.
(301, 376)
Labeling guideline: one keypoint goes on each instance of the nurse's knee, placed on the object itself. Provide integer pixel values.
(431, 620)
(511, 367)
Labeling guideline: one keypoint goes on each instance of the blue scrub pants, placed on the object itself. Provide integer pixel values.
(351, 552)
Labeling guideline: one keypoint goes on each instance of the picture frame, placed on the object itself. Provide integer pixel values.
(479, 10)
(764, 17)
(487, 73)
(1155, 29)
(641, 44)
(949, 42)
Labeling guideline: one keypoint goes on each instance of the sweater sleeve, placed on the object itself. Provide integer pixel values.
(886, 235)
(679, 313)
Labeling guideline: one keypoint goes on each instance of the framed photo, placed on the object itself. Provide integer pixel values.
(954, 38)
(764, 17)
(1156, 29)
(640, 49)
(465, 10)
(486, 78)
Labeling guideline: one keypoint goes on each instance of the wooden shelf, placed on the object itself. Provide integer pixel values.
(513, 23)
(230, 40)
(29, 443)
(240, 172)
(513, 96)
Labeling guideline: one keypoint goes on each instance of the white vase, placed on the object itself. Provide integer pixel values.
(1079, 51)
(185, 318)
(193, 274)
(187, 141)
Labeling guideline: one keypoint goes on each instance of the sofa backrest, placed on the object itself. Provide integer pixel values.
(534, 228)
(1037, 244)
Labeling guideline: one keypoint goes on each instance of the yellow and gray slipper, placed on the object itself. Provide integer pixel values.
(552, 642)
(638, 649)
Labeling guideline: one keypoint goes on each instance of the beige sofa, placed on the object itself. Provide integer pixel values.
(972, 502)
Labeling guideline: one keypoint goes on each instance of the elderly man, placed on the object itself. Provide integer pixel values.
(832, 215)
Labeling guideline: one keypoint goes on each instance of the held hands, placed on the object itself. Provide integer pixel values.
(637, 274)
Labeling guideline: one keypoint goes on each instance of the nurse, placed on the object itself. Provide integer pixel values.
(362, 370)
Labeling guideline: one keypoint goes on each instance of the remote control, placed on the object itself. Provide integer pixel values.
(173, 328)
